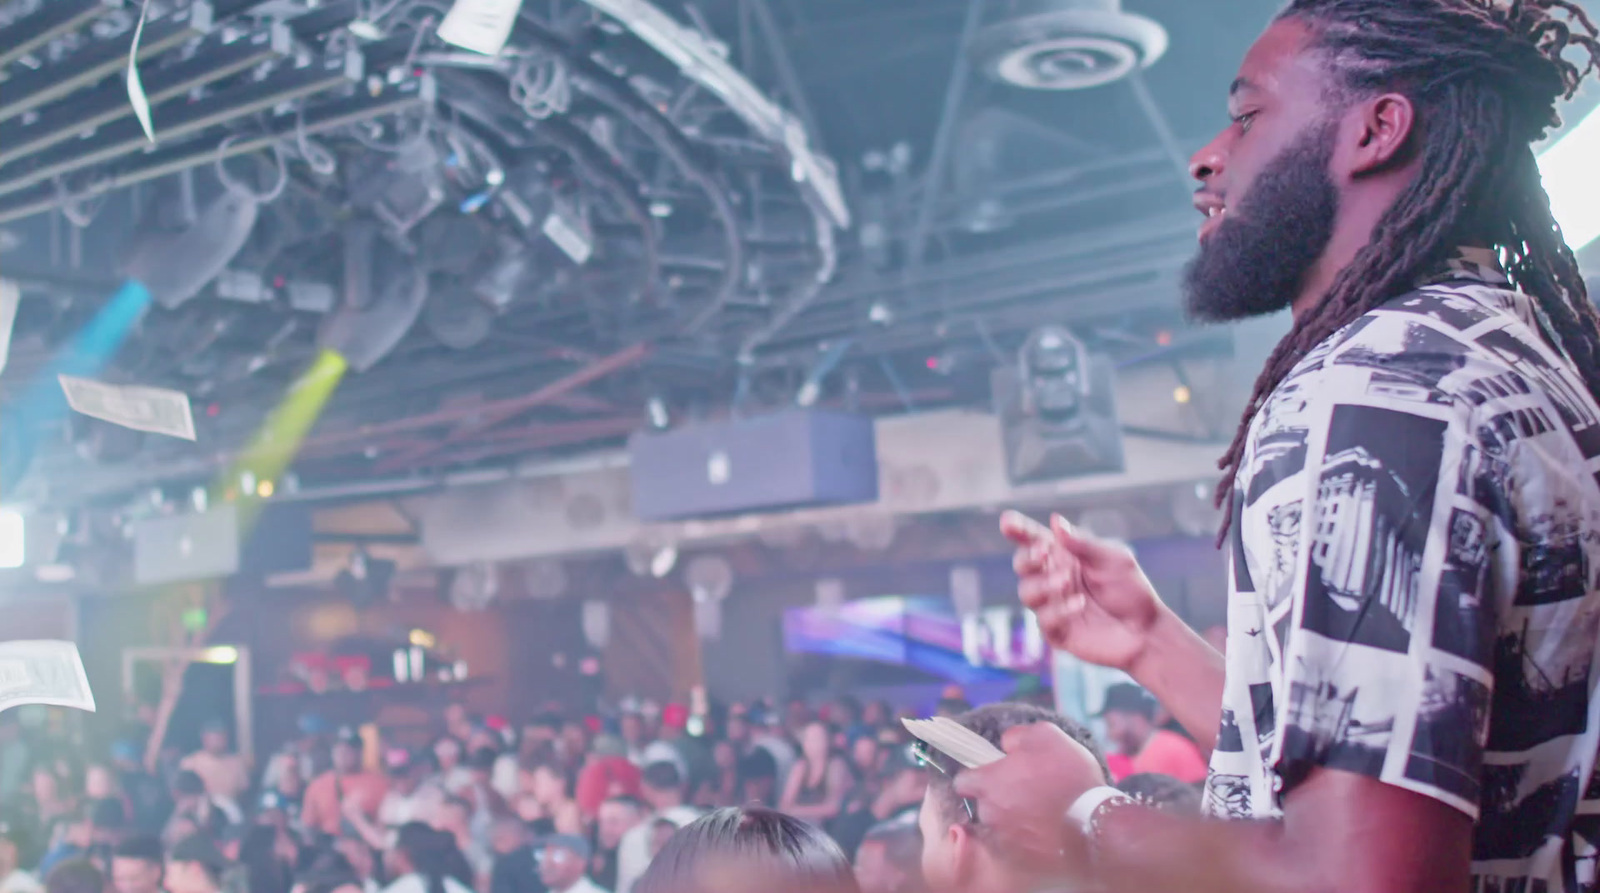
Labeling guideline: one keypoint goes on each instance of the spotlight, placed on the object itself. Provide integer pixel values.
(660, 418)
(265, 489)
(663, 562)
(1181, 395)
(13, 543)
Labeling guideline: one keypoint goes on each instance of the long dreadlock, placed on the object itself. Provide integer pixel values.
(1485, 77)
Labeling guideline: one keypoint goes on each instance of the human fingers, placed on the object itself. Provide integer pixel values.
(1031, 559)
(1023, 530)
(1082, 545)
(1037, 590)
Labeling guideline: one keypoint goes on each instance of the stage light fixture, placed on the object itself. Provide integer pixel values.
(13, 540)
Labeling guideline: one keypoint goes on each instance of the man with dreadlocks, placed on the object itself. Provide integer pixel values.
(1411, 695)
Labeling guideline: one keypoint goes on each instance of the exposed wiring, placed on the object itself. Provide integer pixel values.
(78, 212)
(320, 160)
(235, 185)
(540, 85)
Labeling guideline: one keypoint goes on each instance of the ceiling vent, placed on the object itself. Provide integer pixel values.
(1067, 44)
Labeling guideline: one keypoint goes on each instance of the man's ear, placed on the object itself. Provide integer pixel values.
(1378, 133)
(963, 852)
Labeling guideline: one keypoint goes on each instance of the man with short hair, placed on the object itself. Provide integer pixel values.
(1130, 717)
(664, 789)
(136, 865)
(516, 861)
(618, 816)
(195, 865)
(345, 786)
(958, 852)
(226, 774)
(565, 865)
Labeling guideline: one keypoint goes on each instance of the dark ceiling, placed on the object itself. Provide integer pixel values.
(1094, 225)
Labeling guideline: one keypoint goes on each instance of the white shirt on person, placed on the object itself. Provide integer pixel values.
(584, 885)
(416, 883)
(633, 853)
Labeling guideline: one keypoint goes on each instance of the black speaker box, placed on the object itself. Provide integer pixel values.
(789, 459)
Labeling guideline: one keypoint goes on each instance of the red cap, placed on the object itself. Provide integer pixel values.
(593, 724)
(495, 722)
(675, 716)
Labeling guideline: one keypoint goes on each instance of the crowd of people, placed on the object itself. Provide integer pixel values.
(570, 804)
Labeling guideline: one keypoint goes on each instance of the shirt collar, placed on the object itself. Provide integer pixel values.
(1468, 262)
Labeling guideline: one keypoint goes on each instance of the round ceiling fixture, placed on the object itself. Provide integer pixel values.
(1067, 44)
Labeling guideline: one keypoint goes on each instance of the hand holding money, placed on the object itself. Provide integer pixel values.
(43, 672)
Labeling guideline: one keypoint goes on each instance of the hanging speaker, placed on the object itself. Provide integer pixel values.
(175, 264)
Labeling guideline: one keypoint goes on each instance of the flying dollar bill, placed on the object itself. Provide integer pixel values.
(482, 26)
(10, 296)
(43, 672)
(156, 410)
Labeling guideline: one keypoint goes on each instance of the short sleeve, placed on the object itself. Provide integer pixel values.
(1387, 650)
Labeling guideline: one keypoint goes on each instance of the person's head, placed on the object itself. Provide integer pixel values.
(136, 865)
(574, 736)
(662, 785)
(565, 862)
(46, 783)
(456, 719)
(195, 865)
(453, 816)
(904, 781)
(737, 728)
(357, 856)
(749, 848)
(507, 835)
(889, 859)
(547, 783)
(758, 776)
(1130, 717)
(330, 873)
(1163, 792)
(875, 714)
(796, 714)
(617, 817)
(422, 850)
(75, 876)
(1369, 140)
(816, 741)
(846, 711)
(265, 868)
(481, 764)
(99, 783)
(188, 789)
(346, 754)
(956, 851)
(631, 727)
(866, 755)
(725, 755)
(447, 752)
(214, 737)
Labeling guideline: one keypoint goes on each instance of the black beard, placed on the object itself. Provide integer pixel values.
(1254, 262)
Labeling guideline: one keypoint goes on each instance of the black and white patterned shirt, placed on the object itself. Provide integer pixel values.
(1414, 591)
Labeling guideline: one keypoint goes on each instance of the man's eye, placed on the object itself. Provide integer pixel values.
(1244, 121)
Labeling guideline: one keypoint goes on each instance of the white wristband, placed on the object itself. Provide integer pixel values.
(1083, 809)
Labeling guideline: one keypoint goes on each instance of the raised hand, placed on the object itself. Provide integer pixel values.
(1090, 596)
